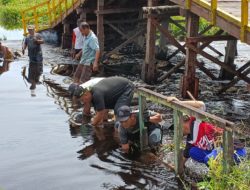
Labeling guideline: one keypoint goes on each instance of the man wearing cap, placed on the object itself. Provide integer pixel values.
(129, 128)
(108, 93)
(89, 57)
(33, 41)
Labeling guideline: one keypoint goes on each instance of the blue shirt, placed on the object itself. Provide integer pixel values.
(90, 46)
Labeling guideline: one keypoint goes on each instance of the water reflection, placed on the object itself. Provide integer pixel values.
(102, 145)
(4, 66)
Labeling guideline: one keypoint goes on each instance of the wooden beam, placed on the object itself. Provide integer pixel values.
(189, 81)
(233, 82)
(209, 38)
(131, 39)
(236, 79)
(171, 71)
(218, 62)
(149, 66)
(169, 36)
(178, 25)
(100, 24)
(117, 11)
(160, 9)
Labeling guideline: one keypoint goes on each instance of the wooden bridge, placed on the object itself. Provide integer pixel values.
(120, 22)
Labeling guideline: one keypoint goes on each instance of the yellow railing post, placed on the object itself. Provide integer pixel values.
(244, 19)
(24, 24)
(188, 4)
(213, 11)
(50, 16)
(36, 19)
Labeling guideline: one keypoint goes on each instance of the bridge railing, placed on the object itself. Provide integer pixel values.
(179, 110)
(46, 14)
(212, 6)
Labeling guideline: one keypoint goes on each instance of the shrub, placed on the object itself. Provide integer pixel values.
(237, 179)
(10, 18)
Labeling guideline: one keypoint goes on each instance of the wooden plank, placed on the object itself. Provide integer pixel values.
(189, 110)
(178, 135)
(205, 70)
(160, 9)
(204, 39)
(117, 11)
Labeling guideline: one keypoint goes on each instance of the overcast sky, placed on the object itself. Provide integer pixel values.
(11, 34)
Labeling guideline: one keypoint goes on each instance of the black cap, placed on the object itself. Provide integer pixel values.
(123, 113)
(76, 90)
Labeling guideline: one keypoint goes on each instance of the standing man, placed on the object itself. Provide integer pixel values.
(109, 93)
(33, 41)
(77, 42)
(90, 55)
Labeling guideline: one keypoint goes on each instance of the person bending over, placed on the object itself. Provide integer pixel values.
(109, 93)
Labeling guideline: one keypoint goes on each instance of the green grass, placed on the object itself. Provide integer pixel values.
(10, 12)
(237, 179)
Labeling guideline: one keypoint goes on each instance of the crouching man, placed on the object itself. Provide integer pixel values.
(129, 129)
(201, 137)
(108, 93)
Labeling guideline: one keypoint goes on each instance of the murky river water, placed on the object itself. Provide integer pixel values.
(39, 150)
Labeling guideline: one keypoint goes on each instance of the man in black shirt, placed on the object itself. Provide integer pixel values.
(109, 93)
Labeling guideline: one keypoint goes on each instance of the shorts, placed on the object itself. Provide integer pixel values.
(83, 73)
(35, 71)
(126, 98)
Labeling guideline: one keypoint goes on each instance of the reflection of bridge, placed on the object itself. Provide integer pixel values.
(120, 22)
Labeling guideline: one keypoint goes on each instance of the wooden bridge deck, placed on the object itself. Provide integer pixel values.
(228, 15)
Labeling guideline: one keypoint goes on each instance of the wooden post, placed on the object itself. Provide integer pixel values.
(66, 37)
(149, 66)
(189, 82)
(229, 60)
(54, 11)
(100, 24)
(228, 150)
(143, 129)
(178, 135)
(163, 39)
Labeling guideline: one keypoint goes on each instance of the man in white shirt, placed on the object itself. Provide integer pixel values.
(77, 42)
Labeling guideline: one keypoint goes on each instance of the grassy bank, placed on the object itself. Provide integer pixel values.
(10, 12)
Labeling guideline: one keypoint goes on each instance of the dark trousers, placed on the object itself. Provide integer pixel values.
(35, 71)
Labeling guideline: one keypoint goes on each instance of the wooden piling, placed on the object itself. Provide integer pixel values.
(149, 67)
(100, 24)
(189, 81)
(229, 60)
